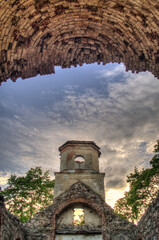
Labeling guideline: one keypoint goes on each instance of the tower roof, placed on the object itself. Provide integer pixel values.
(75, 142)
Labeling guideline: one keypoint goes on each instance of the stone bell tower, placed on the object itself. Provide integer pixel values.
(79, 163)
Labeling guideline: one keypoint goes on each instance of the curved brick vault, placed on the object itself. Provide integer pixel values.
(36, 35)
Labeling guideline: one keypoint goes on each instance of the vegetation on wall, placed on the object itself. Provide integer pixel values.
(28, 194)
(144, 187)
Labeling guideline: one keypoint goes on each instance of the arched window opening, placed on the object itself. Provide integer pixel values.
(78, 218)
(79, 159)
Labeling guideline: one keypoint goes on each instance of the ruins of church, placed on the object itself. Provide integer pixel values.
(36, 36)
(79, 210)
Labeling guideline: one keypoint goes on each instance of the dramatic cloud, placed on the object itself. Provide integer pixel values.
(116, 109)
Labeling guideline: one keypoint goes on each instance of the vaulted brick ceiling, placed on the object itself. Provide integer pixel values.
(36, 35)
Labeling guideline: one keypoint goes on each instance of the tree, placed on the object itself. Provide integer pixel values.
(144, 187)
(123, 209)
(28, 194)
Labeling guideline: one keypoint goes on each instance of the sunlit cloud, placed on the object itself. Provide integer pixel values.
(4, 175)
(112, 195)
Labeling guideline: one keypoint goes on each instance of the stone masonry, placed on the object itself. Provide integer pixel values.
(71, 170)
(56, 222)
(149, 223)
(10, 226)
(36, 35)
(112, 227)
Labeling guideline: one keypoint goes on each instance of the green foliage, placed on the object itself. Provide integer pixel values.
(144, 187)
(126, 212)
(28, 194)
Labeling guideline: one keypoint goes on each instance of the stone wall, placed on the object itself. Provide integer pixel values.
(37, 35)
(94, 180)
(45, 224)
(112, 226)
(149, 223)
(10, 226)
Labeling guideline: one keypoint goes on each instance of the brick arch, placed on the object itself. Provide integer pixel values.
(40, 34)
(97, 207)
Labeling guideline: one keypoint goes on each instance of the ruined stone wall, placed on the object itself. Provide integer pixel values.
(43, 225)
(37, 35)
(149, 223)
(10, 226)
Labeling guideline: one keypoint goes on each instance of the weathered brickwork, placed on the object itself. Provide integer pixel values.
(149, 223)
(44, 225)
(37, 35)
(112, 226)
(10, 226)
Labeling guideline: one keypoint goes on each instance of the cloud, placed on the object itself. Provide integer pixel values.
(114, 72)
(4, 178)
(112, 195)
(116, 109)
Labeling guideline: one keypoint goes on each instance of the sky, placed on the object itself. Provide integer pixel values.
(118, 110)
